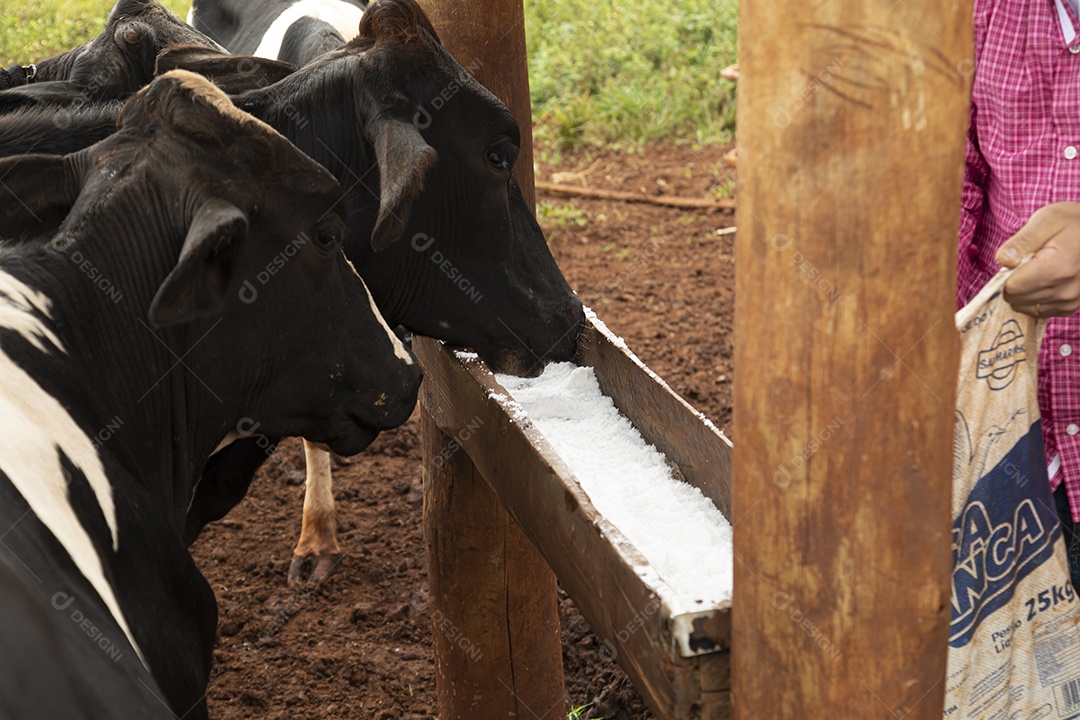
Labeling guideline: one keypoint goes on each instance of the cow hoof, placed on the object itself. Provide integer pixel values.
(312, 569)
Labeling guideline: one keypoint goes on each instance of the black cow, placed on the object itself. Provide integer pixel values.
(136, 342)
(115, 64)
(80, 671)
(437, 226)
(52, 131)
(475, 269)
(295, 31)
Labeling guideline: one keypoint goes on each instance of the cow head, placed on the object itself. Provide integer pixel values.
(113, 65)
(293, 336)
(438, 227)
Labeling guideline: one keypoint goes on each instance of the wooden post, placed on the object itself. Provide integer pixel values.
(503, 658)
(851, 141)
(494, 619)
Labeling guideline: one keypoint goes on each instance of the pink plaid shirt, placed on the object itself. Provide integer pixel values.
(1023, 152)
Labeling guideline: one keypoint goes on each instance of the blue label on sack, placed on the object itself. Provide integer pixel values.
(1007, 529)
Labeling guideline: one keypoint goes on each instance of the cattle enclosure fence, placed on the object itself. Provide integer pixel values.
(847, 536)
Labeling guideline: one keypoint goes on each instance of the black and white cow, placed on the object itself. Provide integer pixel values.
(294, 31)
(133, 344)
(438, 228)
(119, 61)
(476, 269)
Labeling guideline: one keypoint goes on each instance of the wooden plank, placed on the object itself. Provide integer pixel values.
(701, 452)
(593, 561)
(851, 149)
(488, 38)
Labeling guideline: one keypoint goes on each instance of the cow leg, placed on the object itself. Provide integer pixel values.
(317, 553)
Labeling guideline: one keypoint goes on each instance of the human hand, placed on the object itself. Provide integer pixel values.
(1049, 283)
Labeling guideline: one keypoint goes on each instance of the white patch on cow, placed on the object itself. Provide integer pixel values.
(319, 488)
(191, 15)
(17, 312)
(399, 347)
(34, 429)
(345, 17)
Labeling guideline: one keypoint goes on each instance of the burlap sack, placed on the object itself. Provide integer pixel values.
(1014, 643)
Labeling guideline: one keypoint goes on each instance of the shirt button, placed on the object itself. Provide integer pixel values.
(1073, 429)
(1065, 350)
(1074, 49)
(1070, 152)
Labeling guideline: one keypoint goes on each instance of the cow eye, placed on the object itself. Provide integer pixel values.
(501, 156)
(329, 237)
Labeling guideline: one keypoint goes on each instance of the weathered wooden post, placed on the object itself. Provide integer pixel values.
(493, 598)
(851, 142)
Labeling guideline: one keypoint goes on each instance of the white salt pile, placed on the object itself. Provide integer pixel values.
(686, 540)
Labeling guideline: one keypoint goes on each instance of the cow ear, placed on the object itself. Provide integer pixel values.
(52, 92)
(36, 194)
(404, 159)
(199, 283)
(234, 74)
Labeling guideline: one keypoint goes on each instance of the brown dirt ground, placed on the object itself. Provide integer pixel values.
(359, 646)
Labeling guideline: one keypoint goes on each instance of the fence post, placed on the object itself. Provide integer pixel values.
(494, 599)
(851, 144)
(495, 623)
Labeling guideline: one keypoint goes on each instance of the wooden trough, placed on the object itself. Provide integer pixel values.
(675, 649)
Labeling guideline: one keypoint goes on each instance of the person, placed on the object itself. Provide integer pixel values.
(1022, 195)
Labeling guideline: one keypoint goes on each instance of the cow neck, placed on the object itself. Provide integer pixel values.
(33, 131)
(59, 67)
(151, 414)
(396, 275)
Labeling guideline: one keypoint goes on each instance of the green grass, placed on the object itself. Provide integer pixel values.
(625, 72)
(578, 713)
(602, 72)
(561, 216)
(35, 29)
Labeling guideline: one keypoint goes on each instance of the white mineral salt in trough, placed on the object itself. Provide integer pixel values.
(684, 538)
(630, 510)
